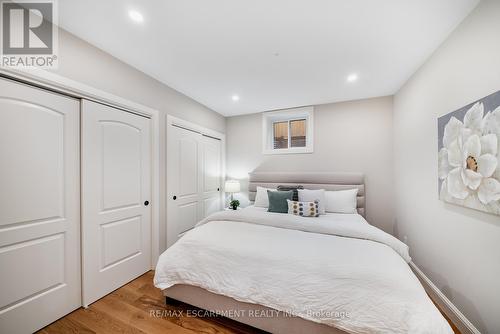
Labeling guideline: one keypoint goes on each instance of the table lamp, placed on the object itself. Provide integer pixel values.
(232, 186)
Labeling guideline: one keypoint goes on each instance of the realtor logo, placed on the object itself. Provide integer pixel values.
(29, 34)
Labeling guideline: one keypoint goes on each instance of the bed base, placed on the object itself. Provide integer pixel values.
(258, 316)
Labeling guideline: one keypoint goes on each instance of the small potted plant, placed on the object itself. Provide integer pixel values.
(234, 204)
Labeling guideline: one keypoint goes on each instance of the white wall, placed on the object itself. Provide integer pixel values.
(82, 62)
(349, 137)
(85, 63)
(457, 248)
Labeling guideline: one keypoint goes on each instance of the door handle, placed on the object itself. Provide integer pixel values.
(175, 197)
(146, 203)
(218, 189)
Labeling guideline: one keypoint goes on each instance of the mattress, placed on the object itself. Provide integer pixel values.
(335, 270)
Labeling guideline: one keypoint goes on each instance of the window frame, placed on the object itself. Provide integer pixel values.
(287, 115)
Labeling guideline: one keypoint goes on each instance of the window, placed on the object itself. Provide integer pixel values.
(297, 133)
(288, 131)
(291, 133)
(280, 135)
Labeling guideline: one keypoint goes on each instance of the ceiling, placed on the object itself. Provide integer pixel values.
(272, 54)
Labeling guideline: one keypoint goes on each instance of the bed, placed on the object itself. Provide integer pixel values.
(288, 274)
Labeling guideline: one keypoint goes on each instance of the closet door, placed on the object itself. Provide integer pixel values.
(212, 175)
(184, 166)
(194, 176)
(39, 207)
(116, 191)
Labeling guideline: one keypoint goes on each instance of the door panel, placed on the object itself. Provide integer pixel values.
(39, 207)
(38, 175)
(121, 240)
(121, 164)
(188, 166)
(212, 175)
(211, 171)
(188, 216)
(116, 183)
(46, 252)
(193, 179)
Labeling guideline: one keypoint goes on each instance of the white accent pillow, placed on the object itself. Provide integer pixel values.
(341, 201)
(307, 195)
(261, 198)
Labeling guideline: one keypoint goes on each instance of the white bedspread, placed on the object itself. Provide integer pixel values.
(335, 269)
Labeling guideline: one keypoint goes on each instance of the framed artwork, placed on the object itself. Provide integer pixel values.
(469, 155)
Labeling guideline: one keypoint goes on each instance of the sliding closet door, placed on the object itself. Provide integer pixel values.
(193, 179)
(39, 207)
(212, 177)
(116, 191)
(184, 166)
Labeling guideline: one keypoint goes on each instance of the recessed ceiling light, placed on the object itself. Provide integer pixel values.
(235, 98)
(352, 77)
(135, 16)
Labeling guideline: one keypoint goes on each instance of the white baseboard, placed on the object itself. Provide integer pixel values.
(457, 317)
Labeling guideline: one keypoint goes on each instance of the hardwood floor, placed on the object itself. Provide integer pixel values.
(127, 310)
(130, 309)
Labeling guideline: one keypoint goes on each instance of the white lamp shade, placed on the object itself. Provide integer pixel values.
(232, 186)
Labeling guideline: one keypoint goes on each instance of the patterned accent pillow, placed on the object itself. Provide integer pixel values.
(304, 209)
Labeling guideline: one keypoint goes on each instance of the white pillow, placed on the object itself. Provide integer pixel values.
(261, 198)
(307, 195)
(341, 201)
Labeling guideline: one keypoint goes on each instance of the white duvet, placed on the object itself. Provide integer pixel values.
(335, 269)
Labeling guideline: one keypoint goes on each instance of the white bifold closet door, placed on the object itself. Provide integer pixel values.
(39, 207)
(194, 176)
(116, 191)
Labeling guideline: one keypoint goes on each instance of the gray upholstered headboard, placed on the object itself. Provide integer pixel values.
(309, 180)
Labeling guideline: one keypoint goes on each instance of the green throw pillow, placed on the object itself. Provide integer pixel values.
(277, 200)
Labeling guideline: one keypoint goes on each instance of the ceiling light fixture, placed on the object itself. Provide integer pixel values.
(235, 98)
(352, 77)
(135, 16)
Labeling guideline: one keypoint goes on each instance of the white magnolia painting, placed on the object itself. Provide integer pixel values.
(469, 155)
